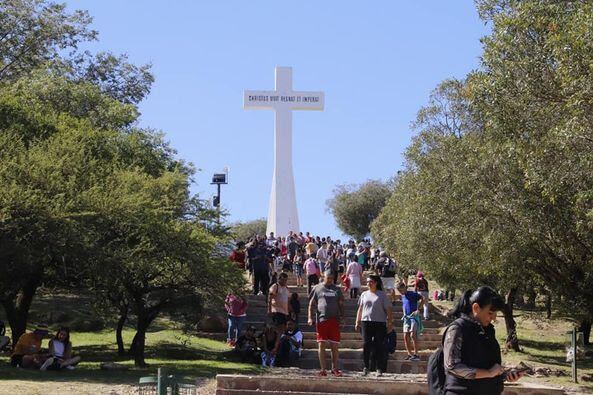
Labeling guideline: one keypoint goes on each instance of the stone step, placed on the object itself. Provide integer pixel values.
(429, 326)
(426, 336)
(354, 344)
(350, 315)
(357, 354)
(292, 381)
(393, 365)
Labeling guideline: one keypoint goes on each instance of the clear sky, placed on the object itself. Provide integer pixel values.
(376, 61)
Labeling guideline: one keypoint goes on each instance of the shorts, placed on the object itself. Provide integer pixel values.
(410, 325)
(328, 331)
(388, 283)
(279, 318)
(298, 270)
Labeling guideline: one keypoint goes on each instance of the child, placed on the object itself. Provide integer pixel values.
(294, 307)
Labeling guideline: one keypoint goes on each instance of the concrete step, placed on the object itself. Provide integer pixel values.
(354, 344)
(429, 326)
(306, 382)
(350, 315)
(426, 336)
(357, 354)
(393, 366)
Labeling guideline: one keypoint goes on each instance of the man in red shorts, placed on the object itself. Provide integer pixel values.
(327, 301)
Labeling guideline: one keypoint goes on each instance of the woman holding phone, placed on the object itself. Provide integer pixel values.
(470, 350)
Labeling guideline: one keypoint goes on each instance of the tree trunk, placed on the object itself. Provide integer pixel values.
(17, 307)
(123, 316)
(511, 326)
(585, 327)
(531, 296)
(548, 304)
(139, 341)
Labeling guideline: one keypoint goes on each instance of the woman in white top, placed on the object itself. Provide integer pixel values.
(354, 273)
(60, 350)
(375, 318)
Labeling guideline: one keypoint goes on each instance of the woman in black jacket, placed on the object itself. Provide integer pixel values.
(471, 351)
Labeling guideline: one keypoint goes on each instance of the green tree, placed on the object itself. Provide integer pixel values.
(243, 231)
(354, 207)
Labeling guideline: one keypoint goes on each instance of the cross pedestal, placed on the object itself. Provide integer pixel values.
(282, 213)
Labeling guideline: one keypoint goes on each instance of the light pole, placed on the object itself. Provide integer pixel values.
(219, 179)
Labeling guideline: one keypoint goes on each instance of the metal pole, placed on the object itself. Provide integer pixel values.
(574, 355)
(161, 385)
(218, 208)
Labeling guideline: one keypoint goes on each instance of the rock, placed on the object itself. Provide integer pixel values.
(212, 324)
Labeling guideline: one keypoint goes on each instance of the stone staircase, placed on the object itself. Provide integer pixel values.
(351, 344)
(402, 377)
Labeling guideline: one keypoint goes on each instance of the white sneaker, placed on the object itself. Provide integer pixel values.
(72, 361)
(46, 364)
(70, 367)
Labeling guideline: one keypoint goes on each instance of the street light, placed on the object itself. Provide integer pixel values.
(219, 179)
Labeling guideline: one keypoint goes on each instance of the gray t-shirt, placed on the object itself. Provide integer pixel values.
(374, 306)
(327, 298)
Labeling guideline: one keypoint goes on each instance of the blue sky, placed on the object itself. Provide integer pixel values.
(376, 61)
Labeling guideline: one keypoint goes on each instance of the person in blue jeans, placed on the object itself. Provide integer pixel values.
(236, 307)
(411, 302)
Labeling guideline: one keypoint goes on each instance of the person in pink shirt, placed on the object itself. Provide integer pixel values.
(312, 271)
(236, 307)
(354, 273)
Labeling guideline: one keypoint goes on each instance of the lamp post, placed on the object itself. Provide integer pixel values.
(219, 179)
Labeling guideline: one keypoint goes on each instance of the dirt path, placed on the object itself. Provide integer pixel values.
(12, 387)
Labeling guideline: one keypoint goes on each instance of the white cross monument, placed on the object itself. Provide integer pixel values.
(282, 213)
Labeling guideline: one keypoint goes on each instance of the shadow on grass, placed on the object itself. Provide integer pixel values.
(557, 347)
(184, 362)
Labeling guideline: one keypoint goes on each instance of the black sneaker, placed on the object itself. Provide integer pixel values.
(365, 371)
(407, 358)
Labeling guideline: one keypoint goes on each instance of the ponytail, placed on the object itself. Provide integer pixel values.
(483, 296)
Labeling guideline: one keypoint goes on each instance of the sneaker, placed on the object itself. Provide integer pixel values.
(414, 358)
(46, 364)
(70, 367)
(407, 358)
(69, 362)
(365, 371)
(336, 372)
(322, 373)
(379, 373)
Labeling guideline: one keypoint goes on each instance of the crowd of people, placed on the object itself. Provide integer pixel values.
(28, 352)
(333, 271)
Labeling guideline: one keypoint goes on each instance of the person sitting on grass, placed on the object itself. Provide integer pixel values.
(27, 351)
(246, 345)
(60, 352)
(4, 340)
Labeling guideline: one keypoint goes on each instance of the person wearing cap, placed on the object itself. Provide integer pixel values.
(26, 353)
(327, 302)
(421, 286)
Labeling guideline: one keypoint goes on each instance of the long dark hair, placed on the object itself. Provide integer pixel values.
(377, 281)
(483, 296)
(63, 329)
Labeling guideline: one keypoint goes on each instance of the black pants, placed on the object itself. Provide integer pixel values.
(312, 280)
(261, 281)
(353, 293)
(373, 336)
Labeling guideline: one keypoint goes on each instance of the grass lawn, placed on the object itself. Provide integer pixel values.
(186, 357)
(543, 343)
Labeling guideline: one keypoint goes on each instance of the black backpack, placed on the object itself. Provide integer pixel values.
(435, 370)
